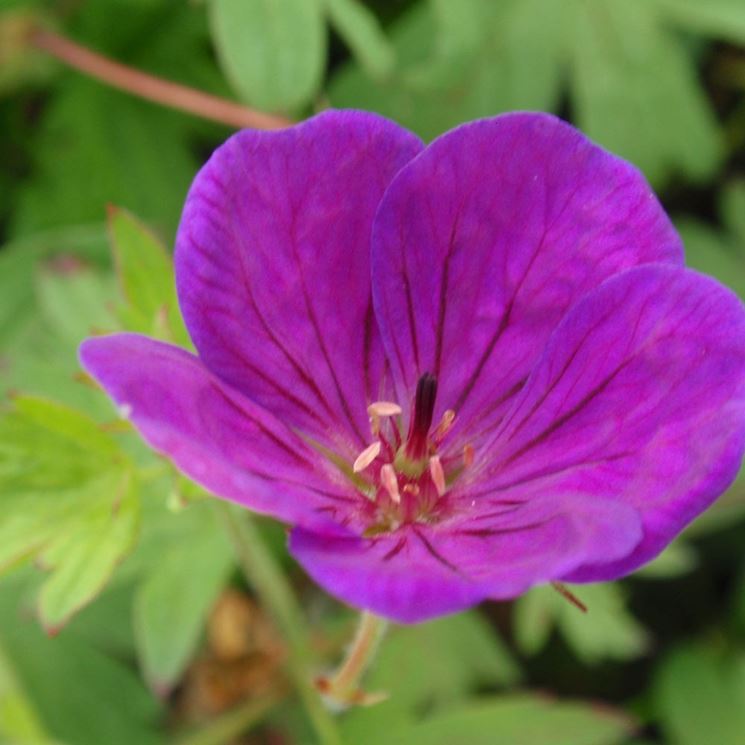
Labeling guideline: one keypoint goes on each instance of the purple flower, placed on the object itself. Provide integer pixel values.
(457, 371)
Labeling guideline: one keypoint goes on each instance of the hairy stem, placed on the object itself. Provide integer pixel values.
(346, 680)
(152, 88)
(270, 585)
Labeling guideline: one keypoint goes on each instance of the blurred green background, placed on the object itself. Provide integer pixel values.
(123, 616)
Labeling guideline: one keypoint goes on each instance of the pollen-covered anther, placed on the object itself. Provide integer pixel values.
(380, 409)
(389, 480)
(469, 454)
(437, 474)
(366, 457)
(384, 408)
(412, 489)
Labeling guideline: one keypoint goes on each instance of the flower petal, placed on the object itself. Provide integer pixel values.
(395, 576)
(423, 571)
(273, 270)
(484, 241)
(212, 433)
(639, 399)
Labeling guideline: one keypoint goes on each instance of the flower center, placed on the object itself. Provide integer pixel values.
(405, 481)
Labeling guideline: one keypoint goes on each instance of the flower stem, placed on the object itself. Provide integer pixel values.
(343, 687)
(152, 88)
(275, 595)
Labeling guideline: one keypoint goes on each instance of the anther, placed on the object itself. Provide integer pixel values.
(389, 480)
(437, 473)
(469, 455)
(380, 409)
(445, 424)
(412, 489)
(366, 457)
(383, 408)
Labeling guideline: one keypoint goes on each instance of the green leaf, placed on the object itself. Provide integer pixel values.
(96, 146)
(63, 297)
(607, 630)
(662, 121)
(724, 19)
(19, 721)
(73, 301)
(146, 278)
(68, 498)
(44, 443)
(273, 51)
(493, 58)
(360, 29)
(699, 695)
(432, 664)
(175, 595)
(82, 696)
(83, 554)
(513, 720)
(18, 270)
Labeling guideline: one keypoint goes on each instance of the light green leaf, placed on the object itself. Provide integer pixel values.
(724, 19)
(73, 301)
(84, 552)
(432, 664)
(699, 696)
(273, 51)
(44, 443)
(68, 498)
(359, 28)
(175, 595)
(146, 278)
(443, 80)
(637, 92)
(513, 720)
(607, 630)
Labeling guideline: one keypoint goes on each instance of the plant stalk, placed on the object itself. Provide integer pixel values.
(273, 591)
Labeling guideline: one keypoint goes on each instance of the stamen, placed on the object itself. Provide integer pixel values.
(380, 409)
(469, 454)
(384, 408)
(437, 473)
(445, 424)
(389, 480)
(366, 457)
(564, 591)
(412, 489)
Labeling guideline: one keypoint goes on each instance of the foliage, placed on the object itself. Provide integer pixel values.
(110, 564)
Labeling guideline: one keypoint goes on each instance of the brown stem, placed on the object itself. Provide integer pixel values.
(152, 88)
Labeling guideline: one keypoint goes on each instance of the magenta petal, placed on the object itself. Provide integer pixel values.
(484, 241)
(395, 576)
(639, 399)
(212, 433)
(424, 571)
(273, 267)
